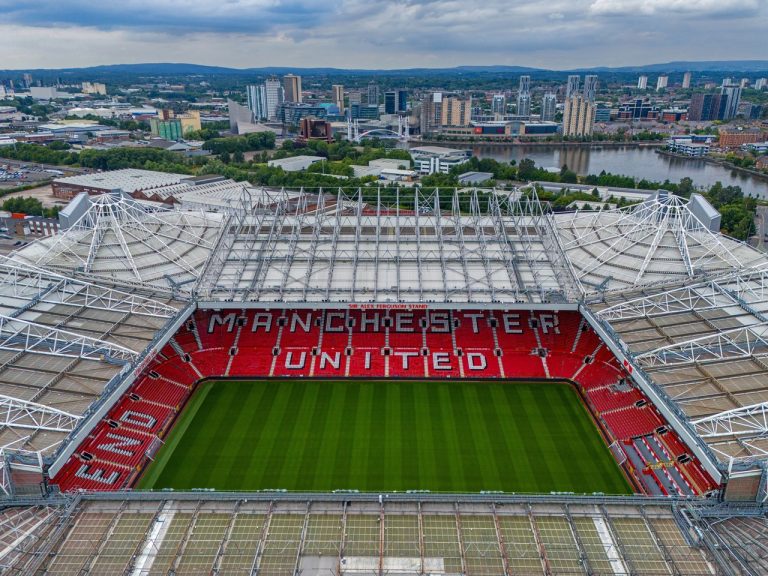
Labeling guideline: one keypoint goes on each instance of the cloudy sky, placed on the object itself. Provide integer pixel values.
(556, 34)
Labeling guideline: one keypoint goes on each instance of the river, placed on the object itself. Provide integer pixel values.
(639, 162)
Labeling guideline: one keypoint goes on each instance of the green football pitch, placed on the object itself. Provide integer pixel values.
(447, 436)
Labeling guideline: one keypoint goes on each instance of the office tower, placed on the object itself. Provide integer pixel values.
(687, 80)
(292, 88)
(573, 85)
(662, 82)
(373, 93)
(402, 100)
(390, 102)
(548, 107)
(524, 96)
(642, 83)
(338, 97)
(499, 104)
(590, 87)
(706, 107)
(395, 101)
(732, 94)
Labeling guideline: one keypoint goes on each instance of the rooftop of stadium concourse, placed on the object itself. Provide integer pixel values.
(118, 240)
(461, 536)
(342, 248)
(706, 345)
(128, 179)
(662, 240)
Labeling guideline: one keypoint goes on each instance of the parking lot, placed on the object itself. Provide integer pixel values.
(13, 175)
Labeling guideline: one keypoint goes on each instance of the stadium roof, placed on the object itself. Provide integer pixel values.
(686, 304)
(660, 240)
(62, 341)
(120, 240)
(128, 180)
(705, 344)
(461, 248)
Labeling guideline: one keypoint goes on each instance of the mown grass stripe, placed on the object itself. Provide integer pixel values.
(449, 436)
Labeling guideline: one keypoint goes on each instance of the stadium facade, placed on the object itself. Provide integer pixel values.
(656, 318)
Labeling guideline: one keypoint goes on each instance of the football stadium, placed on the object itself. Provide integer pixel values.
(382, 381)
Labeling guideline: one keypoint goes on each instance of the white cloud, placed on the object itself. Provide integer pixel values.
(661, 7)
(377, 34)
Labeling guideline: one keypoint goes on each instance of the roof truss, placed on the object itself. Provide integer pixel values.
(741, 342)
(17, 413)
(21, 335)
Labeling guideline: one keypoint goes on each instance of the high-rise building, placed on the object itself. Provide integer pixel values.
(256, 95)
(264, 100)
(27, 80)
(548, 107)
(440, 110)
(292, 88)
(590, 87)
(642, 83)
(761, 83)
(390, 102)
(373, 93)
(573, 85)
(706, 107)
(395, 101)
(732, 94)
(402, 100)
(524, 96)
(524, 105)
(744, 83)
(338, 97)
(579, 110)
(499, 104)
(687, 80)
(578, 116)
(662, 82)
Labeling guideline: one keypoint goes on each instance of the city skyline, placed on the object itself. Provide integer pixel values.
(364, 34)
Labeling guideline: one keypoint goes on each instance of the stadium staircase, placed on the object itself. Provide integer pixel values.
(379, 343)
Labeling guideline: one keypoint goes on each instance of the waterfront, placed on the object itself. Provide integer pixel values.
(637, 161)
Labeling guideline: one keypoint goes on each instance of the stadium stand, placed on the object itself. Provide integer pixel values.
(413, 344)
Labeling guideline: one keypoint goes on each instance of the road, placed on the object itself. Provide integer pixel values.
(69, 170)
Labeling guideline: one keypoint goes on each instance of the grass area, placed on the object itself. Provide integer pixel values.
(385, 436)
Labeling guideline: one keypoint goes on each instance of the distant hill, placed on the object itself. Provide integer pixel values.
(692, 66)
(178, 69)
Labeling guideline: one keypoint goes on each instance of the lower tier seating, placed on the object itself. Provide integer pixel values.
(380, 344)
